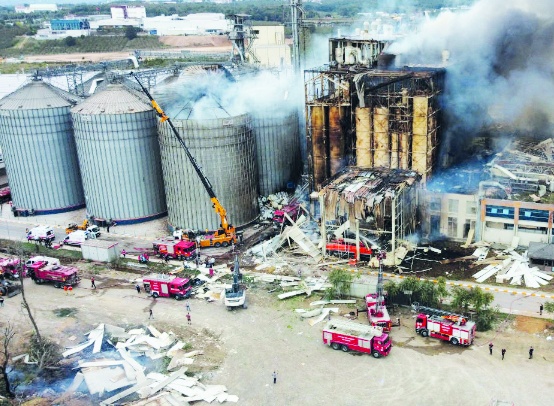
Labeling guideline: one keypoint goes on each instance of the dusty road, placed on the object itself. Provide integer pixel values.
(250, 344)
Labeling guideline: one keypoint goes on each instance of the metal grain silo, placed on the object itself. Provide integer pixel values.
(225, 149)
(39, 149)
(119, 156)
(277, 149)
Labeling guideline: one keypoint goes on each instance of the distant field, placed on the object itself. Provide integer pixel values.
(31, 46)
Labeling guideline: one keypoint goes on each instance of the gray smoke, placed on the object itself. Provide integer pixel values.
(500, 71)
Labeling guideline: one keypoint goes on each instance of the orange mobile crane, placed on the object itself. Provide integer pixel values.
(226, 234)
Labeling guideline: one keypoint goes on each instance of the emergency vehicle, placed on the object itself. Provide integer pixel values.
(41, 233)
(183, 250)
(60, 275)
(161, 285)
(443, 325)
(9, 268)
(347, 335)
(377, 315)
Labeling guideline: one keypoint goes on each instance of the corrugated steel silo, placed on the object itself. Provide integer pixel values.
(225, 149)
(119, 156)
(39, 149)
(277, 149)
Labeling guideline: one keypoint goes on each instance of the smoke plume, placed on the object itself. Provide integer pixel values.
(500, 71)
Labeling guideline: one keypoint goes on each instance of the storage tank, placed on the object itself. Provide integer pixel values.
(119, 156)
(39, 149)
(277, 149)
(225, 149)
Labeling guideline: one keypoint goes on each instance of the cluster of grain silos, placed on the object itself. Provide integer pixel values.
(110, 152)
(39, 151)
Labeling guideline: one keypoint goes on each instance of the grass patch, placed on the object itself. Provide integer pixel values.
(65, 312)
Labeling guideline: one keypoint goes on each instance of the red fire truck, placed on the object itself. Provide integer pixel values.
(348, 335)
(292, 210)
(183, 250)
(160, 285)
(347, 248)
(60, 275)
(446, 326)
(377, 314)
(9, 268)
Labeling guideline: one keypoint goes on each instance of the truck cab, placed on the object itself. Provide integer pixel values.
(9, 268)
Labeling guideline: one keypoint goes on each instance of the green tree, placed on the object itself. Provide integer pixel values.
(549, 307)
(131, 32)
(341, 281)
(70, 41)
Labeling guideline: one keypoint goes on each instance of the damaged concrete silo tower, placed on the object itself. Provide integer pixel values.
(224, 147)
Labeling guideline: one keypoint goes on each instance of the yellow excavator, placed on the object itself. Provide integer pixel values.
(226, 234)
(74, 227)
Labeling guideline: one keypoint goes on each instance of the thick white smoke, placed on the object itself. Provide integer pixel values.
(501, 65)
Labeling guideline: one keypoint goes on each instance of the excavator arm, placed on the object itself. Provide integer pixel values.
(219, 209)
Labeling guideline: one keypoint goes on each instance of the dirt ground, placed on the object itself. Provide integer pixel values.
(244, 347)
(207, 43)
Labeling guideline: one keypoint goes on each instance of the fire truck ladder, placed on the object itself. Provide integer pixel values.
(441, 313)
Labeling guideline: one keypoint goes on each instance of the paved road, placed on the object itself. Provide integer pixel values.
(509, 299)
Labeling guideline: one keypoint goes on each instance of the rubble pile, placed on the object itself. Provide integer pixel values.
(271, 203)
(119, 367)
(509, 266)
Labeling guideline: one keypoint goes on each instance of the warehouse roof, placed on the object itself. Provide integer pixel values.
(539, 250)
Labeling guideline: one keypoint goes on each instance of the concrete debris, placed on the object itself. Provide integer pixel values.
(324, 314)
(26, 359)
(515, 269)
(119, 370)
(308, 286)
(481, 253)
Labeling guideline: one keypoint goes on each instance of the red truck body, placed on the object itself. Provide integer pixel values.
(5, 194)
(448, 327)
(348, 249)
(167, 286)
(347, 335)
(291, 210)
(59, 275)
(9, 268)
(183, 250)
(377, 315)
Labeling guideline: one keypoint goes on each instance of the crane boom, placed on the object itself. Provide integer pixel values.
(219, 209)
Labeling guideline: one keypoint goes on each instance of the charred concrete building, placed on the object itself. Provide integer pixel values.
(360, 113)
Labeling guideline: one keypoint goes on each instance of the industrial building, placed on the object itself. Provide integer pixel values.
(382, 202)
(359, 115)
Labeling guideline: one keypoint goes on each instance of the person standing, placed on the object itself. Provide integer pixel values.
(188, 319)
(65, 289)
(490, 347)
(531, 353)
(503, 353)
(541, 308)
(1, 301)
(151, 314)
(274, 377)
(92, 284)
(123, 253)
(108, 227)
(188, 306)
(137, 287)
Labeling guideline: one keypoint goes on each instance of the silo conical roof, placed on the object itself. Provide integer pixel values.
(37, 95)
(114, 99)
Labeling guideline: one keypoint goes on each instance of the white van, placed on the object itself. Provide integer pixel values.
(76, 237)
(41, 233)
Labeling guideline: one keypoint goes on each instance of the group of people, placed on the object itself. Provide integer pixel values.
(503, 351)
